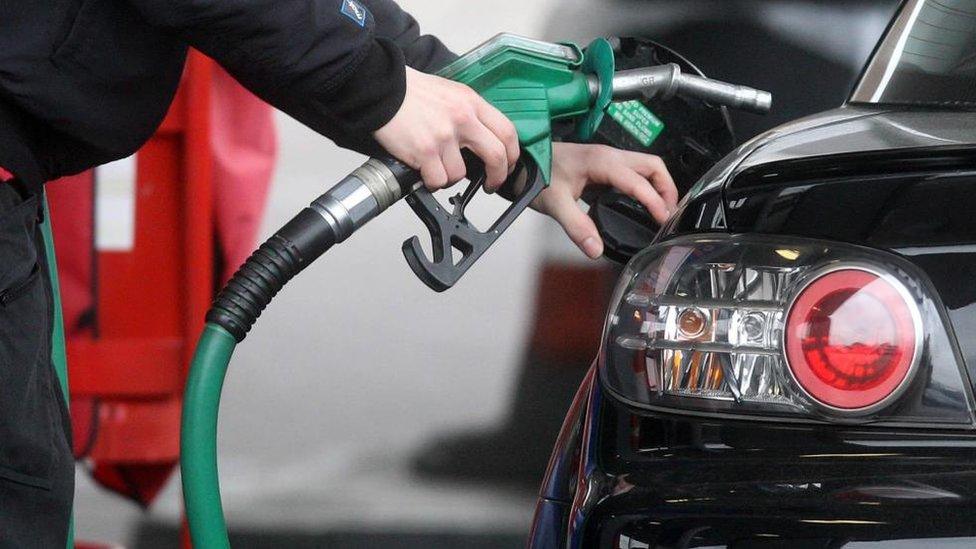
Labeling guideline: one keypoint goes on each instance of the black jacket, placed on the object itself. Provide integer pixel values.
(84, 82)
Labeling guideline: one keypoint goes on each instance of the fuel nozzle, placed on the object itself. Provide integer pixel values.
(666, 81)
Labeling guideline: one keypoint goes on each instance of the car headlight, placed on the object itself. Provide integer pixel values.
(784, 328)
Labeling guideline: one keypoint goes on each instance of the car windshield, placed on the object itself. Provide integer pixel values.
(927, 57)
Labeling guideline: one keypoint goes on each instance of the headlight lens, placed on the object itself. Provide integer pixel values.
(782, 327)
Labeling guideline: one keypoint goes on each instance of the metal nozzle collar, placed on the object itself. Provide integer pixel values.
(362, 195)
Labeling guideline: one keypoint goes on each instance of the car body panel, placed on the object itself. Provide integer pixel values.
(861, 128)
(666, 480)
(848, 129)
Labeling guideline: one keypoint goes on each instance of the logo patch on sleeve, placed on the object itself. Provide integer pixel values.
(355, 11)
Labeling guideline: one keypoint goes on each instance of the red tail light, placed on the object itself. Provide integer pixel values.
(775, 327)
(851, 339)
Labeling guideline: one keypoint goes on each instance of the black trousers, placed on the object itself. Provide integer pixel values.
(36, 465)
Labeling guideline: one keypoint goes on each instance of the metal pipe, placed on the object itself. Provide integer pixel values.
(721, 93)
(665, 81)
(657, 82)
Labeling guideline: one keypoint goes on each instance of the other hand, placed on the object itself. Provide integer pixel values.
(643, 177)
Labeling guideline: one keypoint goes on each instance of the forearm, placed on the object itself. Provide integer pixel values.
(423, 52)
(306, 57)
(342, 77)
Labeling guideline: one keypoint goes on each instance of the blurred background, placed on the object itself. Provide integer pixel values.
(388, 415)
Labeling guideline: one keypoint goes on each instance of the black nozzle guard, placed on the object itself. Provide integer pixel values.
(451, 231)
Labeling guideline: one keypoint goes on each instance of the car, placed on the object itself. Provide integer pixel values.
(789, 362)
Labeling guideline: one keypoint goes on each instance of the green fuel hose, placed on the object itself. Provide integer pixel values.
(330, 219)
(198, 437)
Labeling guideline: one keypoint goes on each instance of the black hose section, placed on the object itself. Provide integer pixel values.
(404, 175)
(295, 246)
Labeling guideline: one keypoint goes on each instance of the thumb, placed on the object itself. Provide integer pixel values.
(578, 226)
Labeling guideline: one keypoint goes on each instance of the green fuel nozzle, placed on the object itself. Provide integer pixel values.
(533, 83)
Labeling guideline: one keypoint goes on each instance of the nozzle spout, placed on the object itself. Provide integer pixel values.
(666, 81)
(731, 95)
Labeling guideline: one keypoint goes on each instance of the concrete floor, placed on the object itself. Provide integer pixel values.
(357, 363)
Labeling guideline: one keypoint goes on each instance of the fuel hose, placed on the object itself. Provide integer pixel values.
(329, 220)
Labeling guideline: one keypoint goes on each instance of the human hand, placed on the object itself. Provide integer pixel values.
(437, 119)
(643, 177)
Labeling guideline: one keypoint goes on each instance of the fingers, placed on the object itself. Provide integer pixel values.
(503, 128)
(578, 226)
(643, 177)
(492, 151)
(487, 133)
(453, 163)
(653, 168)
(433, 173)
(637, 187)
(443, 169)
(492, 137)
(436, 120)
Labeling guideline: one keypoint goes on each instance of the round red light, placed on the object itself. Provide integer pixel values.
(850, 339)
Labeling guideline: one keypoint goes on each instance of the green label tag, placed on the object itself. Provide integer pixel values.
(638, 120)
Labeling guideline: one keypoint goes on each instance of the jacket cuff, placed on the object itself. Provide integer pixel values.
(373, 92)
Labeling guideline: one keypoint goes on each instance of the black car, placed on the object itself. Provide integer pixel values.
(790, 363)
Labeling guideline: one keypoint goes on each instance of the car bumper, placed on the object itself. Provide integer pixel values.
(636, 478)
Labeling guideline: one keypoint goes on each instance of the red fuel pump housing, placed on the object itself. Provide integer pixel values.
(133, 312)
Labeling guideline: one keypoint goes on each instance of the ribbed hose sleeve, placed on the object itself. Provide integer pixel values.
(270, 267)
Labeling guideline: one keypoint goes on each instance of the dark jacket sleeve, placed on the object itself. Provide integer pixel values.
(422, 52)
(324, 62)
